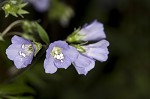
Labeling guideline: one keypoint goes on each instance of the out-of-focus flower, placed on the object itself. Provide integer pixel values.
(59, 55)
(21, 51)
(61, 12)
(89, 53)
(91, 32)
(40, 5)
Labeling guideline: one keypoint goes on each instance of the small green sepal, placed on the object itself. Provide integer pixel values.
(74, 37)
(79, 48)
(38, 47)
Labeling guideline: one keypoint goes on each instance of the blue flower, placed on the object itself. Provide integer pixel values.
(40, 5)
(83, 64)
(91, 32)
(86, 60)
(59, 55)
(21, 51)
(97, 51)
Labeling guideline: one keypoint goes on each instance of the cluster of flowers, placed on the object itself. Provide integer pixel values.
(60, 54)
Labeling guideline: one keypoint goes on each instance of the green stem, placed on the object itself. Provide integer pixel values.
(14, 33)
(10, 27)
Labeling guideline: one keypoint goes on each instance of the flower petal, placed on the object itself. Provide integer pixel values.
(28, 60)
(62, 44)
(102, 44)
(83, 64)
(19, 40)
(97, 50)
(71, 53)
(48, 51)
(100, 54)
(65, 64)
(94, 31)
(19, 62)
(49, 66)
(12, 51)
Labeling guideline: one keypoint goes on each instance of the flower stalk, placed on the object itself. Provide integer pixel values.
(10, 27)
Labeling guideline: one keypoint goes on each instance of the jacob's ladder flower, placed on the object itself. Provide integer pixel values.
(21, 51)
(91, 32)
(88, 54)
(59, 55)
(41, 5)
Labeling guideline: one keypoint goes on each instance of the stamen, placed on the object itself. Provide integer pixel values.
(22, 54)
(23, 46)
(57, 54)
(27, 49)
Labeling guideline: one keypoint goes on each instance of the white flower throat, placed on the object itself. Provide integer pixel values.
(57, 54)
(27, 50)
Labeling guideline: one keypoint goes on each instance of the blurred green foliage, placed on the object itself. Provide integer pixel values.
(126, 74)
(14, 7)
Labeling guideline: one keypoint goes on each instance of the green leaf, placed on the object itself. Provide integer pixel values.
(42, 33)
(13, 89)
(18, 97)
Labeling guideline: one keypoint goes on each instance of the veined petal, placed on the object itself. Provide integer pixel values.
(102, 44)
(100, 54)
(71, 53)
(94, 31)
(28, 60)
(19, 62)
(12, 51)
(49, 66)
(83, 64)
(97, 51)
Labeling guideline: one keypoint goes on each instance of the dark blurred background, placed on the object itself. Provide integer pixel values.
(126, 73)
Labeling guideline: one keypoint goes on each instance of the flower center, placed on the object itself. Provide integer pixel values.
(27, 50)
(57, 54)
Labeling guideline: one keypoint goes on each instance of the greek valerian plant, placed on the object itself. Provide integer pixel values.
(76, 49)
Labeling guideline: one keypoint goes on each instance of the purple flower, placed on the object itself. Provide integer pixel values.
(86, 60)
(91, 32)
(41, 5)
(97, 51)
(59, 55)
(94, 31)
(21, 51)
(83, 64)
